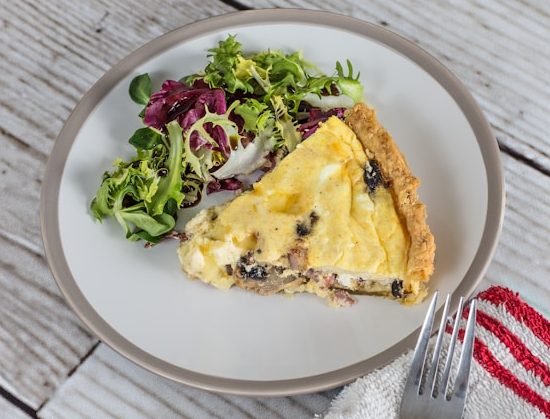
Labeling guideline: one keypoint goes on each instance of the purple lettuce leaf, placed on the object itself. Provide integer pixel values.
(188, 104)
(315, 117)
(230, 184)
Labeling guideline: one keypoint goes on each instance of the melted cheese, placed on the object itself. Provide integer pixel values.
(356, 232)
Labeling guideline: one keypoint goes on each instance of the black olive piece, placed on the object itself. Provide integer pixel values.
(302, 230)
(373, 176)
(257, 272)
(397, 288)
(162, 172)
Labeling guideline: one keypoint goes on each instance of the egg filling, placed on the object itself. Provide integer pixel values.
(323, 221)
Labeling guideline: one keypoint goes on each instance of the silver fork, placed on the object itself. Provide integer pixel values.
(433, 400)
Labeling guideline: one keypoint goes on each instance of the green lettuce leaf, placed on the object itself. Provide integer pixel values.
(140, 89)
(285, 124)
(154, 226)
(349, 85)
(146, 138)
(270, 91)
(144, 193)
(221, 69)
(250, 110)
(170, 185)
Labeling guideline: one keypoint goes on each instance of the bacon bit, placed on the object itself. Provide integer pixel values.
(324, 280)
(297, 258)
(328, 281)
(343, 299)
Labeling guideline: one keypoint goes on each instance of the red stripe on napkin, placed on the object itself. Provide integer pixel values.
(510, 374)
(484, 356)
(521, 311)
(517, 348)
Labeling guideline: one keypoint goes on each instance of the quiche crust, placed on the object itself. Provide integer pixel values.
(379, 145)
(338, 216)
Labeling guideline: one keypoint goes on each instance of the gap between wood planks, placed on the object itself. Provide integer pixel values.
(31, 412)
(18, 403)
(523, 159)
(237, 5)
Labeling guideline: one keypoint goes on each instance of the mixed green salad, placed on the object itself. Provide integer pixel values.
(242, 113)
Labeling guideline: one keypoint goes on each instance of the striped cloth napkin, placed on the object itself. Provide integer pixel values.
(510, 375)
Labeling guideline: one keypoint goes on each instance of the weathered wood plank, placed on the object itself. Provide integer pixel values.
(107, 385)
(499, 49)
(51, 76)
(51, 53)
(40, 338)
(20, 182)
(521, 261)
(9, 411)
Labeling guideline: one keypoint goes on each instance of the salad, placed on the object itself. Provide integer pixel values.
(202, 133)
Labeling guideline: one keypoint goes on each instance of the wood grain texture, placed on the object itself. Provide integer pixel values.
(109, 386)
(52, 53)
(9, 411)
(499, 49)
(522, 259)
(40, 338)
(60, 48)
(20, 180)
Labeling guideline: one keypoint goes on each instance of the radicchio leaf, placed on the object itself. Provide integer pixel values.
(231, 184)
(187, 104)
(315, 117)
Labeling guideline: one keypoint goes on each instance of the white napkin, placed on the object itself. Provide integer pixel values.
(510, 375)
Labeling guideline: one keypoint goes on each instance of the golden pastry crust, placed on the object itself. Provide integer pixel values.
(379, 145)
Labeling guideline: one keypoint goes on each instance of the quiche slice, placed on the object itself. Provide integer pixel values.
(338, 216)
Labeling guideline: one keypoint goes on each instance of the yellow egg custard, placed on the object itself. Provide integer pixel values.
(338, 216)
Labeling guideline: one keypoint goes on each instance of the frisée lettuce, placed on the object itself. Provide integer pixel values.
(242, 112)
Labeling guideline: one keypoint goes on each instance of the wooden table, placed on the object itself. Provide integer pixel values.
(53, 51)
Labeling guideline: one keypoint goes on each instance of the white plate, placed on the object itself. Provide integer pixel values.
(138, 301)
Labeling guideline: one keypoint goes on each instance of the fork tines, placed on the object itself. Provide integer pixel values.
(429, 398)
